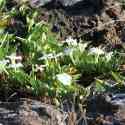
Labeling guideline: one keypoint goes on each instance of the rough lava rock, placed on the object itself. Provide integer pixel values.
(99, 21)
(69, 2)
(107, 110)
(119, 100)
(38, 3)
(89, 20)
(65, 3)
(29, 112)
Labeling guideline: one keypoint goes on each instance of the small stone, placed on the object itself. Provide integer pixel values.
(55, 28)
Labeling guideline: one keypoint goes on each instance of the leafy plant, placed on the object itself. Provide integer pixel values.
(88, 63)
(48, 67)
(2, 4)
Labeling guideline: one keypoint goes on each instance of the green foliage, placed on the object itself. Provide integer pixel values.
(118, 77)
(2, 4)
(41, 58)
(100, 86)
(88, 63)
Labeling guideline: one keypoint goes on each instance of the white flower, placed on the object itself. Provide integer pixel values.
(59, 55)
(96, 50)
(13, 58)
(71, 41)
(64, 78)
(4, 62)
(46, 56)
(68, 51)
(109, 56)
(51, 56)
(39, 67)
(16, 65)
(82, 46)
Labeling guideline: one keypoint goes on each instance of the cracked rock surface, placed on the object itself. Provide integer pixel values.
(29, 112)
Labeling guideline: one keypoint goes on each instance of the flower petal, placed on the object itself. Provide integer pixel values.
(64, 78)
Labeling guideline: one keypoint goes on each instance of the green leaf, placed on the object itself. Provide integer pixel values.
(119, 78)
(100, 86)
(2, 4)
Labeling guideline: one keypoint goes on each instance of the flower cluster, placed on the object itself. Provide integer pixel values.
(51, 56)
(15, 61)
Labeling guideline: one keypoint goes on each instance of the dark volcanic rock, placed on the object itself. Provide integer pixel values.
(99, 21)
(107, 110)
(119, 100)
(100, 104)
(29, 112)
(39, 3)
(68, 3)
(90, 20)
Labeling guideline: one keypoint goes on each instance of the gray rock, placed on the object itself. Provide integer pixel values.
(112, 110)
(30, 112)
(69, 2)
(38, 3)
(119, 100)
